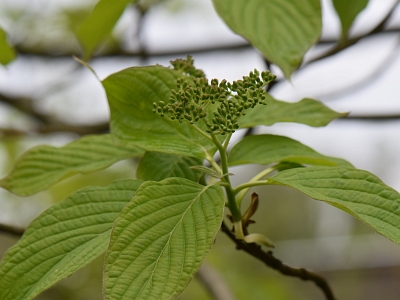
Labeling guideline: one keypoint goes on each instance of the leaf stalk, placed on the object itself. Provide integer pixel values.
(244, 188)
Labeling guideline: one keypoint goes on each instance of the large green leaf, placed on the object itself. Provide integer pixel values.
(158, 166)
(99, 24)
(267, 148)
(131, 94)
(357, 192)
(63, 239)
(161, 238)
(307, 111)
(7, 53)
(348, 11)
(283, 30)
(42, 166)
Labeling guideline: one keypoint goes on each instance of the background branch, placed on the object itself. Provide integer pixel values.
(46, 123)
(214, 283)
(343, 44)
(11, 230)
(120, 52)
(368, 79)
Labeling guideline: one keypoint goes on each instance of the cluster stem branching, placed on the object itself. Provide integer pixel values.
(202, 132)
(235, 211)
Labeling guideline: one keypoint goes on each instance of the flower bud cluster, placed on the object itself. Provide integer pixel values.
(245, 94)
(186, 66)
(190, 101)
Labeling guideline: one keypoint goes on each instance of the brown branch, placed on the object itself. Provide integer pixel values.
(118, 52)
(370, 78)
(328, 41)
(274, 263)
(24, 105)
(60, 127)
(78, 129)
(46, 123)
(139, 36)
(123, 53)
(11, 230)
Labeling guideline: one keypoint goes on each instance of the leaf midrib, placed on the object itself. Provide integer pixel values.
(170, 235)
(167, 243)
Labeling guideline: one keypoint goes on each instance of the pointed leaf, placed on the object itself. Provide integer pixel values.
(283, 30)
(158, 166)
(131, 94)
(42, 166)
(357, 192)
(7, 53)
(267, 148)
(161, 238)
(63, 239)
(99, 24)
(348, 11)
(307, 111)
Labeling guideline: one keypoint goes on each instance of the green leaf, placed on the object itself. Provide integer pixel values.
(161, 238)
(99, 24)
(286, 166)
(348, 11)
(7, 53)
(131, 94)
(209, 171)
(267, 148)
(307, 111)
(158, 166)
(283, 30)
(42, 166)
(63, 239)
(357, 192)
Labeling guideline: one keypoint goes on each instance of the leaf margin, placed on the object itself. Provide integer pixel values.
(119, 192)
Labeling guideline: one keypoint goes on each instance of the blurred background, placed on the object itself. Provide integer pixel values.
(46, 97)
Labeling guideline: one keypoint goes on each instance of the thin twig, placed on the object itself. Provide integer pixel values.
(274, 263)
(343, 44)
(78, 129)
(139, 37)
(370, 78)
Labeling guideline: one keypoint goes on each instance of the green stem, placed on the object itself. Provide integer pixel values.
(244, 188)
(227, 140)
(235, 211)
(202, 132)
(214, 164)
